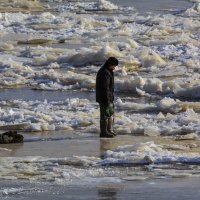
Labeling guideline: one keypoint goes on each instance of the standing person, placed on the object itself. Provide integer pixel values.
(105, 96)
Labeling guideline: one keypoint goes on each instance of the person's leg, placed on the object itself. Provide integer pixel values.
(110, 119)
(104, 115)
(110, 126)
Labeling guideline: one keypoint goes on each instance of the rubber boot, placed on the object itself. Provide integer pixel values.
(109, 127)
(104, 133)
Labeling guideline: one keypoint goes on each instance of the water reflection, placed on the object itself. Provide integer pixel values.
(10, 150)
(107, 193)
(27, 94)
(108, 144)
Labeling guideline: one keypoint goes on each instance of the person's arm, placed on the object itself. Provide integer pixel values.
(105, 88)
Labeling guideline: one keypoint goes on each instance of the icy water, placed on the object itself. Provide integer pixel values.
(73, 166)
(158, 189)
(50, 53)
(157, 6)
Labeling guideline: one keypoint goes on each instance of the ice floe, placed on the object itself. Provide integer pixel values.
(147, 153)
(169, 117)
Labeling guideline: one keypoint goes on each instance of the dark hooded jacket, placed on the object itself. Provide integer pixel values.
(105, 85)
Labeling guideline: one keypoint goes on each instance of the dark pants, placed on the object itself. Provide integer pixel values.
(106, 111)
(106, 122)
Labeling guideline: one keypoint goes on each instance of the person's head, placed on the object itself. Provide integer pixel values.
(111, 63)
